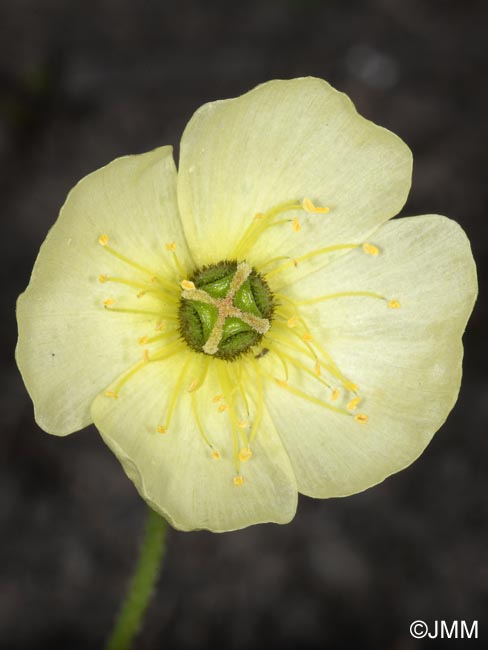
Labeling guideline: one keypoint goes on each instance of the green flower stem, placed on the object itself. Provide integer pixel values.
(142, 585)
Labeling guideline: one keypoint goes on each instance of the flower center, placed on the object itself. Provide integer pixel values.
(225, 309)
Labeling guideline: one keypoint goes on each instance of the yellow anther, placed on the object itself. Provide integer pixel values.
(141, 293)
(222, 408)
(335, 394)
(188, 285)
(370, 249)
(160, 326)
(308, 206)
(296, 224)
(161, 429)
(307, 337)
(112, 394)
(317, 369)
(171, 246)
(143, 340)
(349, 385)
(295, 263)
(291, 322)
(103, 240)
(353, 404)
(394, 304)
(193, 385)
(245, 454)
(153, 279)
(242, 424)
(216, 455)
(362, 418)
(108, 302)
(102, 278)
(217, 398)
(281, 382)
(238, 480)
(259, 215)
(145, 356)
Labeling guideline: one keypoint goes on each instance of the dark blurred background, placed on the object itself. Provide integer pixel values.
(84, 82)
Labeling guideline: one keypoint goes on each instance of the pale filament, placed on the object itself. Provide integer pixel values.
(263, 221)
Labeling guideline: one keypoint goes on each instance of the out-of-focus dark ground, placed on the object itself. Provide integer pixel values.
(84, 82)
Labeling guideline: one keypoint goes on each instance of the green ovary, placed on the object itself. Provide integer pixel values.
(226, 310)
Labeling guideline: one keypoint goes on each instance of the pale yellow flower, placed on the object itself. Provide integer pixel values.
(325, 344)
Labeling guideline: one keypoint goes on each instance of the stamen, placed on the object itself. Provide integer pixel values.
(343, 294)
(138, 285)
(200, 427)
(159, 337)
(216, 454)
(176, 393)
(281, 356)
(296, 224)
(187, 285)
(239, 383)
(192, 385)
(245, 454)
(260, 401)
(103, 240)
(362, 418)
(199, 423)
(258, 225)
(298, 364)
(309, 352)
(272, 260)
(335, 394)
(161, 429)
(228, 390)
(238, 480)
(165, 353)
(199, 380)
(394, 304)
(171, 246)
(353, 404)
(370, 249)
(308, 206)
(328, 365)
(309, 398)
(123, 310)
(309, 256)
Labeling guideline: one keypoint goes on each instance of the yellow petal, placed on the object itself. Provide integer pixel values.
(406, 361)
(282, 141)
(69, 346)
(178, 473)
